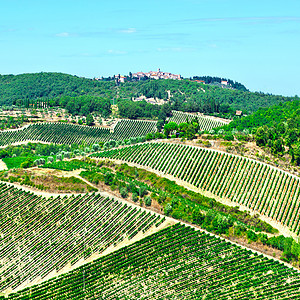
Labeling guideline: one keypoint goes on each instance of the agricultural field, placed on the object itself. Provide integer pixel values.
(205, 122)
(177, 262)
(41, 236)
(95, 229)
(257, 186)
(62, 133)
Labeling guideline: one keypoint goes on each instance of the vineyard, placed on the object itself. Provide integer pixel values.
(177, 262)
(62, 133)
(205, 122)
(40, 235)
(258, 186)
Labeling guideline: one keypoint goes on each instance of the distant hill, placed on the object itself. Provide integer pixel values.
(214, 80)
(286, 113)
(16, 88)
(185, 95)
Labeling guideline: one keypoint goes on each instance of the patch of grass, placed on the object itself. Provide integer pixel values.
(15, 162)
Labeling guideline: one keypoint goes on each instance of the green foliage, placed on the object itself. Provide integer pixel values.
(252, 236)
(274, 127)
(148, 200)
(135, 197)
(84, 96)
(169, 127)
(138, 110)
(12, 123)
(168, 209)
(90, 120)
(21, 162)
(124, 192)
(108, 178)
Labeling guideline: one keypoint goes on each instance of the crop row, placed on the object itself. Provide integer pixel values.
(175, 263)
(62, 133)
(205, 122)
(39, 235)
(260, 187)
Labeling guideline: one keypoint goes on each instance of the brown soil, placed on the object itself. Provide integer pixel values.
(54, 181)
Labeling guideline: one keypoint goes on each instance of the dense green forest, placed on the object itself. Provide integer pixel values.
(274, 127)
(190, 96)
(17, 89)
(82, 105)
(47, 89)
(213, 80)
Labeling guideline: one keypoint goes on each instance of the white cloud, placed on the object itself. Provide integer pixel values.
(128, 30)
(63, 34)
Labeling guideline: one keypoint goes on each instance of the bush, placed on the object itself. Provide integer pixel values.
(96, 147)
(135, 197)
(143, 191)
(27, 163)
(50, 159)
(148, 201)
(252, 236)
(124, 192)
(168, 209)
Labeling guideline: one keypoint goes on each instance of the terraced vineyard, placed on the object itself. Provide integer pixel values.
(175, 263)
(62, 133)
(258, 186)
(205, 122)
(39, 235)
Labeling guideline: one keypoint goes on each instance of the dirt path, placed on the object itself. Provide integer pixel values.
(2, 165)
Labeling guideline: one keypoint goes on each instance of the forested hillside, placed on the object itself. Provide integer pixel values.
(274, 127)
(47, 89)
(213, 80)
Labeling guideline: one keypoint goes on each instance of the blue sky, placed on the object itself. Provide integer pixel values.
(254, 42)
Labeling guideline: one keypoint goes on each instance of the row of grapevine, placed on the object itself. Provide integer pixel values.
(205, 122)
(178, 262)
(258, 186)
(39, 235)
(62, 133)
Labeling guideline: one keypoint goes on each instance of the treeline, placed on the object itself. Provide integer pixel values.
(190, 96)
(212, 80)
(138, 110)
(276, 127)
(144, 110)
(83, 105)
(10, 122)
(16, 89)
(38, 90)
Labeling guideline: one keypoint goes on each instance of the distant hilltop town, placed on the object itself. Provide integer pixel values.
(156, 75)
(141, 75)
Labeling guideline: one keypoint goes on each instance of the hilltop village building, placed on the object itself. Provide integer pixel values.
(156, 75)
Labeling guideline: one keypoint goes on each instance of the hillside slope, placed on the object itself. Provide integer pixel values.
(251, 184)
(62, 133)
(176, 263)
(40, 236)
(185, 95)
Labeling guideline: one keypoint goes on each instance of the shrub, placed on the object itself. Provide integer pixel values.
(252, 236)
(168, 209)
(123, 192)
(148, 201)
(27, 163)
(50, 159)
(135, 197)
